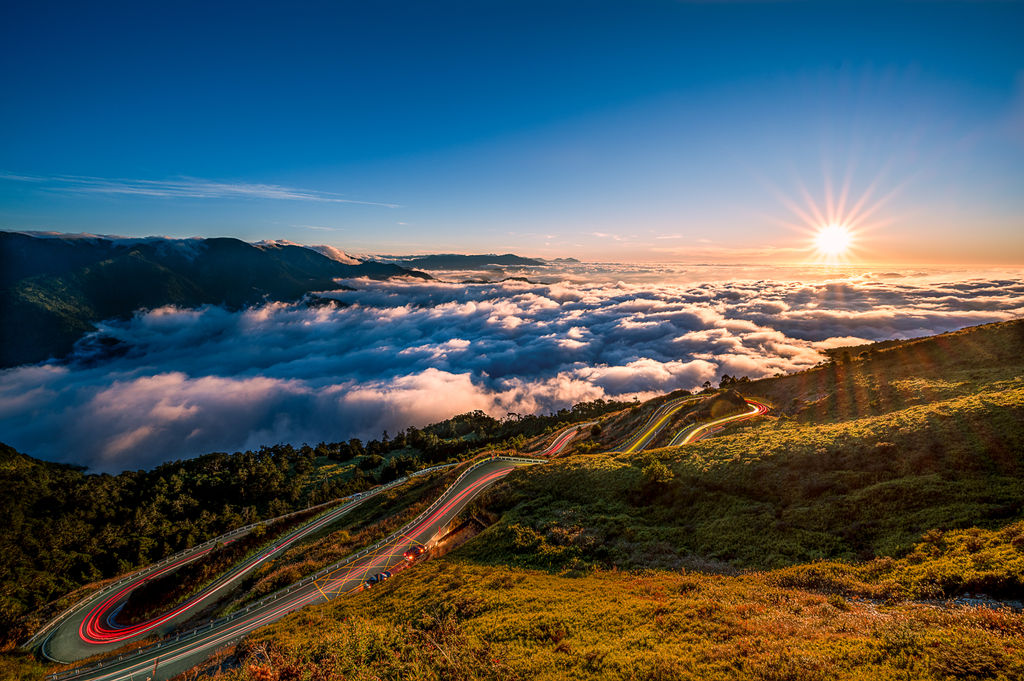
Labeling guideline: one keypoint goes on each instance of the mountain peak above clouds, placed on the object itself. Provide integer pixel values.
(336, 254)
(58, 285)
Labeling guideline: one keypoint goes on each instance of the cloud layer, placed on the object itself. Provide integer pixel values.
(394, 354)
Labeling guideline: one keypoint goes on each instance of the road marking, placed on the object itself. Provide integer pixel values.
(321, 591)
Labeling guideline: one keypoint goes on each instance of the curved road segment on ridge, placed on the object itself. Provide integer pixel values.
(564, 437)
(74, 637)
(699, 431)
(91, 629)
(654, 425)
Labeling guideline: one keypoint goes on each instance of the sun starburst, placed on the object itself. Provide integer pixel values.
(837, 229)
(833, 241)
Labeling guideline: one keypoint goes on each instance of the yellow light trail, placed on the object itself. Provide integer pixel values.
(640, 442)
(697, 433)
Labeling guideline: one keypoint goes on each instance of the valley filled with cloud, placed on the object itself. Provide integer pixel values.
(172, 383)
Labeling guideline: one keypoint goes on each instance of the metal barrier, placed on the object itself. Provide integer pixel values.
(195, 631)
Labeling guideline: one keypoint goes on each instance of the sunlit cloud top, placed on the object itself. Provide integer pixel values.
(413, 352)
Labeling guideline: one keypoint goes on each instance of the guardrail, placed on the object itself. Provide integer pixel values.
(206, 626)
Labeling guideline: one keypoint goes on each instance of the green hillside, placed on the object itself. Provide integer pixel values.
(803, 545)
(67, 528)
(454, 619)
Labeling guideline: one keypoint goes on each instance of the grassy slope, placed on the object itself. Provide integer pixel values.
(773, 495)
(933, 437)
(902, 469)
(454, 620)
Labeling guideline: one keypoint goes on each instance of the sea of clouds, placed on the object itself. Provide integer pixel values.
(400, 353)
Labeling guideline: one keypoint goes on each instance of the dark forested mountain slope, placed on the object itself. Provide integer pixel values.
(61, 527)
(52, 289)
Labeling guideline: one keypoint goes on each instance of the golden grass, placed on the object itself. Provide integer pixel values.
(453, 620)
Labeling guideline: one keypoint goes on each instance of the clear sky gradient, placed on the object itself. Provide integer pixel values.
(671, 131)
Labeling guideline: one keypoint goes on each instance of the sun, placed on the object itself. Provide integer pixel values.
(833, 240)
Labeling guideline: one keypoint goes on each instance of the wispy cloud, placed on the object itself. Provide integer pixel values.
(320, 228)
(184, 188)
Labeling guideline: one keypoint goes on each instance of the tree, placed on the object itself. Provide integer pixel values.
(371, 462)
(657, 473)
(655, 476)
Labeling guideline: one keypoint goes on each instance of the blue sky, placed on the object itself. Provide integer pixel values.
(643, 131)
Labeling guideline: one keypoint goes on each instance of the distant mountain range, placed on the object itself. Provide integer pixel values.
(53, 288)
(454, 261)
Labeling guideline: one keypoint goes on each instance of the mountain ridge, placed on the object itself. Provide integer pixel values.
(54, 289)
(455, 261)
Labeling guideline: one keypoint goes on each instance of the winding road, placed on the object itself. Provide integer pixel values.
(563, 438)
(90, 627)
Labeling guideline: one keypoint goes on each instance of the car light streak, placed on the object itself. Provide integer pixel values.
(756, 409)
